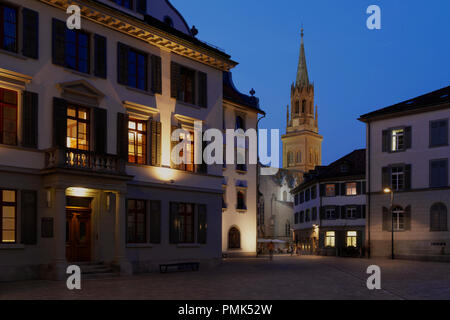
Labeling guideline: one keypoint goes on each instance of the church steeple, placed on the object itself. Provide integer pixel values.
(302, 70)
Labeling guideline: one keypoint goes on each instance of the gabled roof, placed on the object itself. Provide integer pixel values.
(354, 163)
(234, 95)
(422, 103)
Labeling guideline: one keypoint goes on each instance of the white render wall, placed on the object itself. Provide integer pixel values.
(420, 241)
(244, 221)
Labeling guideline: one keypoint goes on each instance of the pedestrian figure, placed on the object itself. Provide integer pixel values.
(271, 248)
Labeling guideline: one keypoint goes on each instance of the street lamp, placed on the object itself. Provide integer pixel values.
(391, 192)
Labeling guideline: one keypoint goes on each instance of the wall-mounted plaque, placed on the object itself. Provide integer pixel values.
(47, 228)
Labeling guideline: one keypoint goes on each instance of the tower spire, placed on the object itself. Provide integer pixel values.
(302, 71)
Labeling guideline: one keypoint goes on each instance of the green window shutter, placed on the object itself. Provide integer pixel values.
(343, 189)
(386, 177)
(358, 212)
(363, 211)
(359, 188)
(59, 123)
(29, 217)
(58, 42)
(202, 224)
(173, 223)
(122, 136)
(173, 144)
(155, 143)
(322, 190)
(321, 240)
(408, 218)
(408, 137)
(30, 46)
(100, 56)
(343, 212)
(386, 146)
(202, 90)
(122, 64)
(30, 119)
(322, 213)
(156, 73)
(408, 177)
(174, 79)
(155, 222)
(100, 130)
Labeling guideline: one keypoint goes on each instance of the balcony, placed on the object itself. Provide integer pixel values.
(84, 160)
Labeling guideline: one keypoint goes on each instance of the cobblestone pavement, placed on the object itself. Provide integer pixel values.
(291, 278)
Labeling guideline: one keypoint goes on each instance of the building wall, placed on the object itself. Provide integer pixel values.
(23, 169)
(419, 241)
(243, 220)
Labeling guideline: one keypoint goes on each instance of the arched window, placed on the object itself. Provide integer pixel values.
(168, 20)
(241, 201)
(285, 196)
(297, 107)
(240, 123)
(290, 157)
(438, 217)
(299, 157)
(234, 239)
(398, 215)
(303, 106)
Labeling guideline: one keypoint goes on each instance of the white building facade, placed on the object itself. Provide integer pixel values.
(329, 208)
(239, 217)
(87, 115)
(408, 154)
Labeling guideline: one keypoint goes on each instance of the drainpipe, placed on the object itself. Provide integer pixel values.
(258, 192)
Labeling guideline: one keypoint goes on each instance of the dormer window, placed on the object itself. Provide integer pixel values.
(124, 3)
(344, 168)
(168, 20)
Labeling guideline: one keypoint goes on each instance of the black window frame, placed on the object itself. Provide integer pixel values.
(137, 53)
(134, 240)
(9, 105)
(8, 204)
(78, 33)
(442, 176)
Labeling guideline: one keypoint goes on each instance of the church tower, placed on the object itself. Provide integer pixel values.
(302, 144)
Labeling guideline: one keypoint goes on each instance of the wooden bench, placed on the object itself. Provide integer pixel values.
(184, 266)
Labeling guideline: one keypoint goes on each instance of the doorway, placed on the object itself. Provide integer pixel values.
(78, 235)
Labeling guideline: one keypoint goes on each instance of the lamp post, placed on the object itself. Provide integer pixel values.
(391, 192)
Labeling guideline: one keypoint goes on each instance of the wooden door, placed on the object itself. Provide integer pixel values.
(78, 236)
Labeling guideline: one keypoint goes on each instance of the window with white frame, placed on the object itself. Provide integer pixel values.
(330, 239)
(398, 216)
(351, 212)
(397, 178)
(352, 239)
(398, 140)
(330, 213)
(351, 189)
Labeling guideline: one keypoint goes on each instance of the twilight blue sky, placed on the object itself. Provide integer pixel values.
(354, 70)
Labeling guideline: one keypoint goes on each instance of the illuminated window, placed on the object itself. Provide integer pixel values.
(136, 221)
(330, 190)
(137, 141)
(78, 128)
(8, 28)
(352, 237)
(330, 239)
(8, 117)
(398, 139)
(188, 157)
(8, 216)
(351, 189)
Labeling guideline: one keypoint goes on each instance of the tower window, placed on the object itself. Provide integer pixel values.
(303, 106)
(297, 107)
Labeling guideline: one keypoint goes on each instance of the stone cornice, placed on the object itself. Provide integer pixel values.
(134, 27)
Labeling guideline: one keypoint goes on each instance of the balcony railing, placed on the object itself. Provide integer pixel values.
(84, 160)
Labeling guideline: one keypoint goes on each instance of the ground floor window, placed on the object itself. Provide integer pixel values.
(136, 221)
(330, 239)
(8, 216)
(352, 237)
(398, 215)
